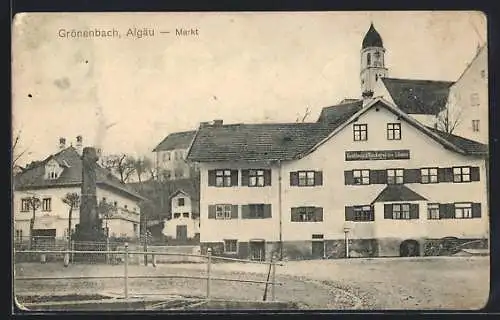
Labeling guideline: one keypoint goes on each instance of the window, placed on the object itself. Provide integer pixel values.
(306, 178)
(46, 204)
(363, 213)
(230, 246)
(52, 175)
(475, 125)
(463, 210)
(25, 205)
(394, 131)
(429, 175)
(361, 176)
(115, 204)
(395, 176)
(307, 214)
(360, 132)
(135, 227)
(177, 215)
(223, 178)
(256, 178)
(223, 211)
(461, 174)
(180, 202)
(401, 211)
(368, 59)
(256, 211)
(433, 211)
(19, 235)
(185, 215)
(166, 156)
(474, 99)
(125, 206)
(483, 74)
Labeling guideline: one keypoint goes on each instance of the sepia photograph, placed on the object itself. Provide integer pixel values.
(272, 161)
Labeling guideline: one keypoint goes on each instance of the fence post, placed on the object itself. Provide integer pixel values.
(107, 250)
(209, 261)
(126, 270)
(273, 283)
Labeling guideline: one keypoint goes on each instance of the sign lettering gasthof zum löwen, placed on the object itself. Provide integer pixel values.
(377, 155)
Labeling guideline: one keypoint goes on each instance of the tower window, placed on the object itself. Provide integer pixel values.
(369, 59)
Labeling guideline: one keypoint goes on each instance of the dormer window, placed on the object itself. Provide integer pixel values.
(52, 170)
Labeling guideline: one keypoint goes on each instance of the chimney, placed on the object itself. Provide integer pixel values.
(218, 123)
(79, 144)
(62, 143)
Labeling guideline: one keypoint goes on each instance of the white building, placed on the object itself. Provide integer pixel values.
(397, 186)
(184, 223)
(51, 179)
(468, 101)
(170, 156)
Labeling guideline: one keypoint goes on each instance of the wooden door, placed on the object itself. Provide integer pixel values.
(181, 232)
(318, 249)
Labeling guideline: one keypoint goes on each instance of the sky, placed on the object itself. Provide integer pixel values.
(241, 67)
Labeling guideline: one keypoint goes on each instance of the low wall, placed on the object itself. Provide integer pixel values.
(139, 258)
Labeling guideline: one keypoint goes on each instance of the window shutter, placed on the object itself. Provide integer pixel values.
(267, 177)
(413, 211)
(349, 213)
(234, 177)
(387, 211)
(318, 214)
(211, 178)
(349, 178)
(476, 210)
(244, 178)
(294, 178)
(374, 177)
(474, 173)
(318, 178)
(294, 214)
(267, 211)
(245, 211)
(234, 211)
(211, 212)
(446, 210)
(411, 176)
(445, 174)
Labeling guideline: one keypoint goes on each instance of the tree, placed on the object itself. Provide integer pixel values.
(106, 210)
(72, 199)
(302, 118)
(142, 166)
(17, 151)
(450, 117)
(120, 164)
(33, 204)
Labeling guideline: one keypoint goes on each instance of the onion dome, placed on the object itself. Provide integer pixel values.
(372, 39)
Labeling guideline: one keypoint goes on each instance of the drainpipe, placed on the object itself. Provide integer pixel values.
(279, 211)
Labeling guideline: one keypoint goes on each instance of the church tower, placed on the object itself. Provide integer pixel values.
(372, 62)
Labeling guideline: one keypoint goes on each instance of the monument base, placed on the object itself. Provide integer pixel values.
(89, 240)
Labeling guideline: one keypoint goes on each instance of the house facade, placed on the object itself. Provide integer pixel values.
(170, 156)
(59, 174)
(468, 101)
(184, 223)
(377, 177)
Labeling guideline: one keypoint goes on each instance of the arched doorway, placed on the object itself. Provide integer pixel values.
(409, 248)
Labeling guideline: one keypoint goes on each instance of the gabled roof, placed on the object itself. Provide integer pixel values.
(451, 142)
(176, 140)
(254, 142)
(71, 175)
(418, 96)
(340, 112)
(289, 141)
(469, 146)
(397, 192)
